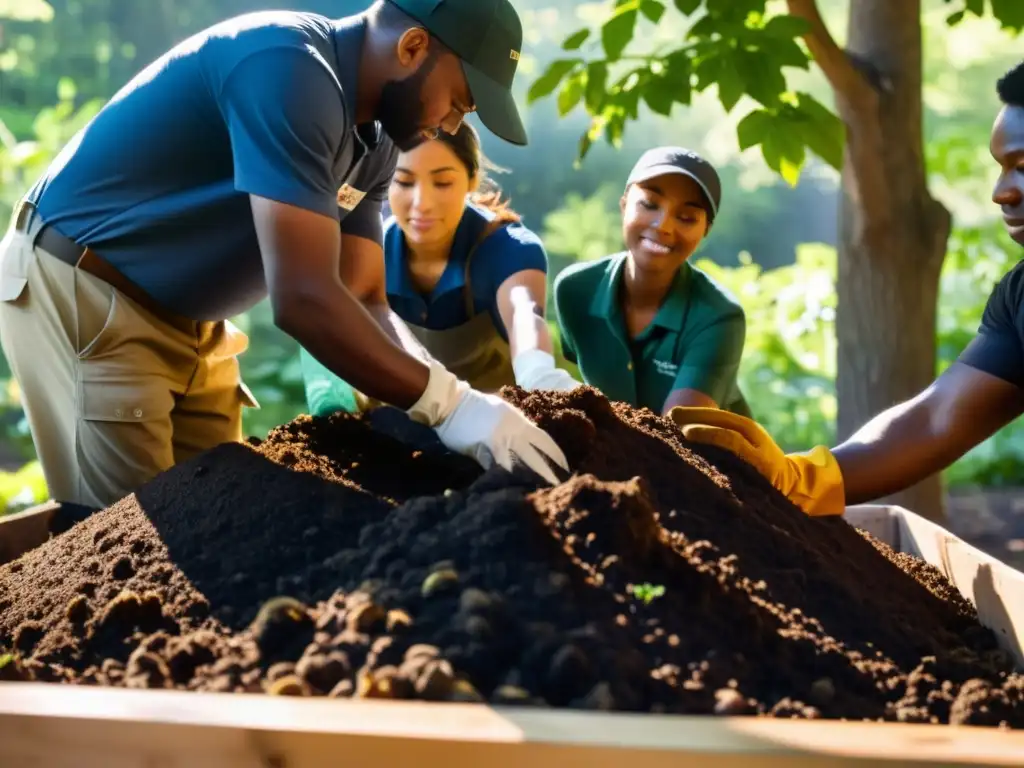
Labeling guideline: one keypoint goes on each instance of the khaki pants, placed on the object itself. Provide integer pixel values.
(113, 394)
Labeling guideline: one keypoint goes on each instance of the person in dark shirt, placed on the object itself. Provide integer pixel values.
(245, 162)
(976, 396)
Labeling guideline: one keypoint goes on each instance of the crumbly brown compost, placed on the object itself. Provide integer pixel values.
(354, 556)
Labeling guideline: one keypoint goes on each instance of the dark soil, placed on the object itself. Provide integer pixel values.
(357, 557)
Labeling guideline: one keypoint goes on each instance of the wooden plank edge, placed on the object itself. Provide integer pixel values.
(52, 713)
(880, 520)
(995, 589)
(25, 530)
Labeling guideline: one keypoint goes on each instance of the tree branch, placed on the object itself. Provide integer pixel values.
(846, 79)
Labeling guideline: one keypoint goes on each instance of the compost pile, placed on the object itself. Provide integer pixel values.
(354, 556)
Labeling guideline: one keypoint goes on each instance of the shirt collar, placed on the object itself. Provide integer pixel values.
(671, 314)
(454, 276)
(349, 34)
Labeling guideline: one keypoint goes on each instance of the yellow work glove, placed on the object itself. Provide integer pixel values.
(812, 480)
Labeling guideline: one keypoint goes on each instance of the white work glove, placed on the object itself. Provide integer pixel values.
(535, 369)
(485, 427)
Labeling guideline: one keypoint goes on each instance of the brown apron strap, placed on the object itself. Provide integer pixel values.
(490, 229)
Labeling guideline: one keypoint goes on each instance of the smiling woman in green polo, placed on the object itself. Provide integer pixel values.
(645, 326)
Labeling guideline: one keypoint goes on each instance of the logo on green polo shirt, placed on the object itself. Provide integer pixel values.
(666, 368)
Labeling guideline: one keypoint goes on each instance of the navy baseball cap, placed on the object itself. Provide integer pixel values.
(667, 160)
(487, 36)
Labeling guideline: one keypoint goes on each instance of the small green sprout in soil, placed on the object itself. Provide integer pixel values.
(647, 592)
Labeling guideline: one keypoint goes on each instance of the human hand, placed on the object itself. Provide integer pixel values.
(812, 480)
(484, 426)
(535, 370)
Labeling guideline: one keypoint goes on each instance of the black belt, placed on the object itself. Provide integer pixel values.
(28, 221)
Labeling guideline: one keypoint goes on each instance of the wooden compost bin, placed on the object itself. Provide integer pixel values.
(58, 726)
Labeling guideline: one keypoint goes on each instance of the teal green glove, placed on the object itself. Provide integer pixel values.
(325, 392)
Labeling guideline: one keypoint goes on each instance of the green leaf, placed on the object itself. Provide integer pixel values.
(614, 129)
(708, 71)
(630, 101)
(789, 168)
(734, 10)
(571, 93)
(597, 86)
(783, 153)
(659, 95)
(759, 76)
(821, 130)
(576, 39)
(678, 70)
(652, 9)
(955, 18)
(686, 7)
(784, 52)
(752, 129)
(553, 75)
(703, 28)
(781, 146)
(585, 143)
(786, 27)
(730, 84)
(1010, 13)
(617, 32)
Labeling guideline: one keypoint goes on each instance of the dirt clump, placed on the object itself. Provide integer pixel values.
(356, 557)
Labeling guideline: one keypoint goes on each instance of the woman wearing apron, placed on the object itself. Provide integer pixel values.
(645, 326)
(466, 276)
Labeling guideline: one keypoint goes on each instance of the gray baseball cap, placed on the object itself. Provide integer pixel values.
(685, 162)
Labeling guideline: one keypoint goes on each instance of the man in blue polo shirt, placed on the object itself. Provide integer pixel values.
(220, 174)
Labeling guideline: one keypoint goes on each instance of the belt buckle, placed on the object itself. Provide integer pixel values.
(22, 215)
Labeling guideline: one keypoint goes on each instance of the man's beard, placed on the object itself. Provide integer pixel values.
(401, 107)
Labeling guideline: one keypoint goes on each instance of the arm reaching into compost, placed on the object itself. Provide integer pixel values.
(311, 303)
(521, 300)
(910, 441)
(893, 451)
(363, 273)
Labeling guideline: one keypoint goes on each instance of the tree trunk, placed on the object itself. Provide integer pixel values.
(893, 234)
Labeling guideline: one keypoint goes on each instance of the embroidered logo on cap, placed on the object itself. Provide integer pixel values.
(514, 55)
(349, 197)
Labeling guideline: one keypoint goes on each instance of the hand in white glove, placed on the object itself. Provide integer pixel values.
(485, 427)
(535, 369)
